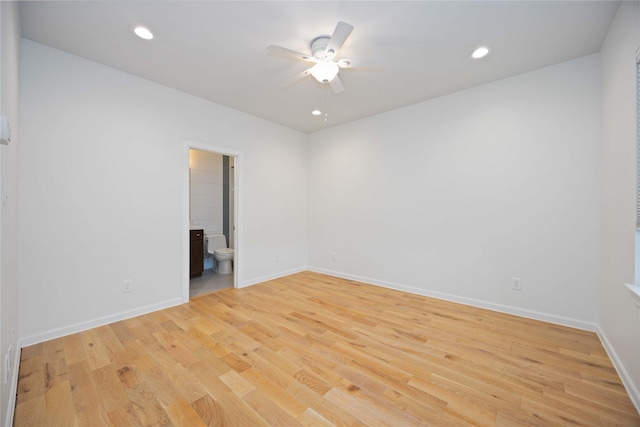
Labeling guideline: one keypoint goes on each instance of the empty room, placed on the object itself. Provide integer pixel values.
(265, 213)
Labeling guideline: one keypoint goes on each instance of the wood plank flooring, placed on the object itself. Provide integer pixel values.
(314, 350)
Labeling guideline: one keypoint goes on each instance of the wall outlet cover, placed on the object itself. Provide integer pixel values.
(517, 284)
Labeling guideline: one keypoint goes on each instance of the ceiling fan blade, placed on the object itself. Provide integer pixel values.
(283, 52)
(338, 37)
(336, 85)
(290, 81)
(367, 63)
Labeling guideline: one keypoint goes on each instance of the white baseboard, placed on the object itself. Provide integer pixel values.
(631, 388)
(273, 276)
(530, 314)
(13, 390)
(94, 323)
(105, 320)
(627, 381)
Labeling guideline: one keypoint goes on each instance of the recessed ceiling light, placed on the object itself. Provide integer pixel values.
(316, 112)
(143, 33)
(480, 52)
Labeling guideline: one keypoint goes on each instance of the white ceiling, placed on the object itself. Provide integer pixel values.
(217, 49)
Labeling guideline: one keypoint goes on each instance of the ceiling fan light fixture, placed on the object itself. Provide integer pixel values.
(325, 71)
(480, 52)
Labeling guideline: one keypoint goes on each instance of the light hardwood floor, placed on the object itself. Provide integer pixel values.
(310, 349)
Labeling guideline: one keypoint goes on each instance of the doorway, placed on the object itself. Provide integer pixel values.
(212, 202)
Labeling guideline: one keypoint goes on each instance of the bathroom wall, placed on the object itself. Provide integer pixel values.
(227, 199)
(205, 191)
(232, 209)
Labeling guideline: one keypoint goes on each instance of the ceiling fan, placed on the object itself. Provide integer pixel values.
(324, 52)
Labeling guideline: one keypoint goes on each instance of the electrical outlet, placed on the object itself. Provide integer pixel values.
(517, 284)
(126, 286)
(334, 256)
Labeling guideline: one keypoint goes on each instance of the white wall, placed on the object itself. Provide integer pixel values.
(102, 191)
(452, 197)
(205, 179)
(619, 316)
(9, 283)
(456, 196)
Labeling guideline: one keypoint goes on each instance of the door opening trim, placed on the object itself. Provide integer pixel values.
(238, 259)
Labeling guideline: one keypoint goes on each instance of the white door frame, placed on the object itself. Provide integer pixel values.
(238, 216)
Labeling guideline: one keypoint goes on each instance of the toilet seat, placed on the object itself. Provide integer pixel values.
(223, 251)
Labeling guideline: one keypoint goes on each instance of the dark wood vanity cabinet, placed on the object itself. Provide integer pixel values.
(196, 252)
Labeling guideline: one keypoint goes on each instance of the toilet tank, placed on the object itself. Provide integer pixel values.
(216, 241)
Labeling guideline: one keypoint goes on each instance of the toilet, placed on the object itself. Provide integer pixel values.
(217, 246)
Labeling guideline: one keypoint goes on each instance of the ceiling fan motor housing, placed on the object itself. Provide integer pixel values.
(319, 47)
(324, 49)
